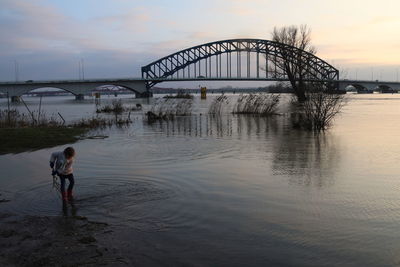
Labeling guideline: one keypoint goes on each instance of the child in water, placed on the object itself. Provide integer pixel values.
(61, 165)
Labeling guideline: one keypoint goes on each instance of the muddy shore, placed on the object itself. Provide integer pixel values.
(56, 241)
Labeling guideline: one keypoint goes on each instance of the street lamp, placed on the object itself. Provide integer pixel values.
(16, 70)
(81, 69)
(372, 73)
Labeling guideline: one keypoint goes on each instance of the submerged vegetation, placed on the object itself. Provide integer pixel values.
(99, 122)
(318, 111)
(217, 105)
(169, 108)
(260, 104)
(117, 107)
(180, 94)
(35, 129)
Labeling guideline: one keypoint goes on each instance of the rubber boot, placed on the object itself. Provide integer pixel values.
(69, 194)
(64, 196)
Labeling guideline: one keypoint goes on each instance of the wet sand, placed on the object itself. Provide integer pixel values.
(56, 241)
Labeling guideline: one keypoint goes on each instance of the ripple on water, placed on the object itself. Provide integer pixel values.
(136, 202)
(133, 202)
(41, 199)
(156, 152)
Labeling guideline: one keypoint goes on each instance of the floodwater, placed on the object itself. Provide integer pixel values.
(230, 190)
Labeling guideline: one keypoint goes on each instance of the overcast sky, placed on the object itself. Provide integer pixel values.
(115, 38)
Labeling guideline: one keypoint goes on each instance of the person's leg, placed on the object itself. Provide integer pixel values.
(62, 187)
(71, 184)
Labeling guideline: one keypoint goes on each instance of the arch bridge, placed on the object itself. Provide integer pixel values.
(238, 59)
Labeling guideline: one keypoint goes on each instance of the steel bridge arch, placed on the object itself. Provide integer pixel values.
(165, 68)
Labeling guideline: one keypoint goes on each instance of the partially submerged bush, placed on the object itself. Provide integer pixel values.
(137, 107)
(260, 104)
(167, 108)
(318, 111)
(16, 119)
(216, 106)
(94, 122)
(98, 122)
(180, 94)
(115, 107)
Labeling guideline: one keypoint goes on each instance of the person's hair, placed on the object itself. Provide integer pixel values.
(69, 152)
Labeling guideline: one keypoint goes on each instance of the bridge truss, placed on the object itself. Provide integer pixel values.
(238, 59)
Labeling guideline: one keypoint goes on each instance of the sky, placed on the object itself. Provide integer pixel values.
(48, 38)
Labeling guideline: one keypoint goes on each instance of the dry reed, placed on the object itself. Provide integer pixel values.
(217, 105)
(168, 108)
(259, 104)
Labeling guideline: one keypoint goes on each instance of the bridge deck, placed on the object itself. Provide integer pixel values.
(117, 80)
(71, 81)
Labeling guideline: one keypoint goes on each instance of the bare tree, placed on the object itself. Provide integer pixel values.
(292, 61)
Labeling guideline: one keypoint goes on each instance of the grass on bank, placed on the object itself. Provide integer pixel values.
(16, 140)
(21, 132)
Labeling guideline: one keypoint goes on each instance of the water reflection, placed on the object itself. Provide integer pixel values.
(305, 158)
(256, 126)
(238, 126)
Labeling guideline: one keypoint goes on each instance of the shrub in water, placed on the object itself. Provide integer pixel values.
(318, 111)
(260, 104)
(168, 108)
(217, 105)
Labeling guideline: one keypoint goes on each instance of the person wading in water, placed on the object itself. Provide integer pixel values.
(61, 165)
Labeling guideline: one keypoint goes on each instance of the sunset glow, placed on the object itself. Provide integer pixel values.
(117, 37)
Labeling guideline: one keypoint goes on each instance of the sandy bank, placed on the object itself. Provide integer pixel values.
(56, 241)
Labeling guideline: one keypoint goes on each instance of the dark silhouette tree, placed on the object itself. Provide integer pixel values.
(293, 62)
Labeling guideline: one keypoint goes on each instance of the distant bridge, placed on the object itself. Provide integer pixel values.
(365, 85)
(228, 60)
(77, 87)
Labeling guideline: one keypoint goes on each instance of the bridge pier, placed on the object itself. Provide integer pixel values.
(79, 97)
(144, 94)
(15, 99)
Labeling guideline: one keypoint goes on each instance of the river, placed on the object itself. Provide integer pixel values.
(229, 190)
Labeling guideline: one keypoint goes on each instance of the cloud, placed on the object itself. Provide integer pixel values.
(43, 34)
(133, 20)
(31, 27)
(57, 65)
(48, 44)
(384, 20)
